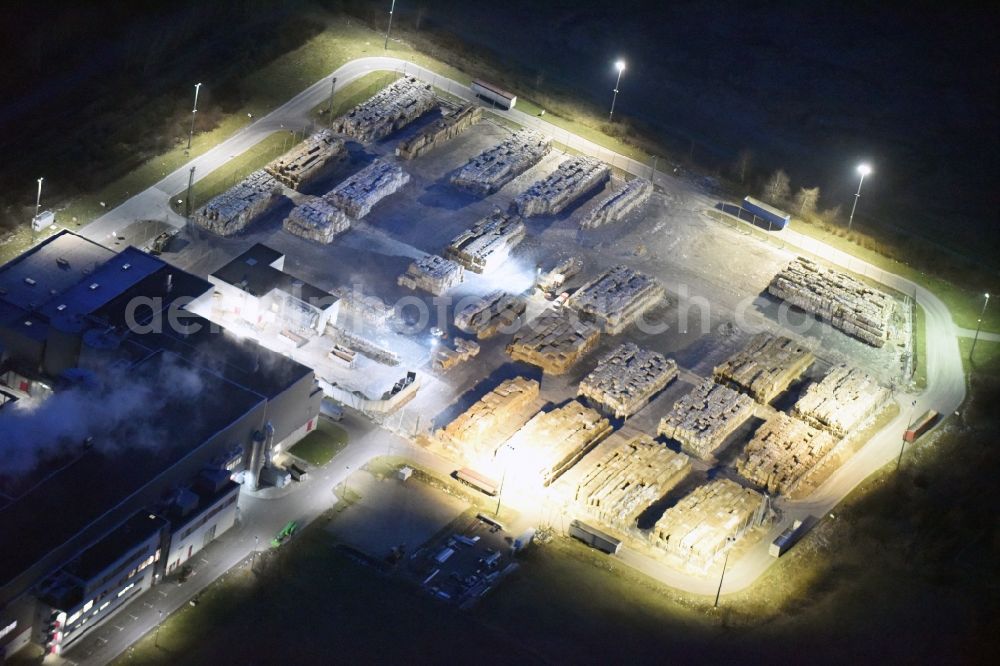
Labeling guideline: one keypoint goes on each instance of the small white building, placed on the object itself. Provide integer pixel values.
(43, 220)
(255, 288)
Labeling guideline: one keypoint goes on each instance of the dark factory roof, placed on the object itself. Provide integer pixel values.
(83, 485)
(116, 544)
(51, 505)
(254, 273)
(115, 276)
(49, 269)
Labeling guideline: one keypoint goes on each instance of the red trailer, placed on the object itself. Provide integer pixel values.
(920, 426)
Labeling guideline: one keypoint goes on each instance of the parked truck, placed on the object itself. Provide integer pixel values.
(786, 539)
(285, 534)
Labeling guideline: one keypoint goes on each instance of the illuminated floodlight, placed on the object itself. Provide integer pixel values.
(863, 170)
(620, 66)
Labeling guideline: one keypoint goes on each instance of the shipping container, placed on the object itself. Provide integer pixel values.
(493, 94)
(774, 217)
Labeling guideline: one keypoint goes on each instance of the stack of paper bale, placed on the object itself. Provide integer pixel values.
(625, 379)
(703, 419)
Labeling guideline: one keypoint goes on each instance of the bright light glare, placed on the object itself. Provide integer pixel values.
(864, 169)
(620, 65)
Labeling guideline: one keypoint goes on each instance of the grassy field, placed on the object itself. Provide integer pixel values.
(986, 359)
(236, 169)
(14, 244)
(357, 91)
(965, 304)
(272, 86)
(322, 444)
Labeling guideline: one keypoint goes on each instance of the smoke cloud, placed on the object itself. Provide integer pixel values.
(121, 408)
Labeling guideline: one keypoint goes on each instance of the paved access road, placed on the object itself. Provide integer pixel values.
(262, 518)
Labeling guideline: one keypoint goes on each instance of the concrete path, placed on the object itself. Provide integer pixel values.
(971, 332)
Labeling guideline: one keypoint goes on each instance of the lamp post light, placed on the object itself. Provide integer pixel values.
(729, 542)
(902, 444)
(863, 170)
(329, 113)
(38, 208)
(156, 637)
(507, 451)
(979, 322)
(388, 28)
(256, 546)
(187, 203)
(38, 197)
(620, 66)
(194, 113)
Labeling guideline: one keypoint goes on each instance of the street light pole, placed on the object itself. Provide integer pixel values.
(503, 477)
(718, 593)
(194, 113)
(864, 170)
(902, 444)
(975, 338)
(187, 200)
(38, 198)
(388, 28)
(329, 113)
(156, 637)
(256, 545)
(620, 66)
(38, 208)
(507, 450)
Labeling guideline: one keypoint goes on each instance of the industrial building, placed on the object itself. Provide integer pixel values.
(255, 288)
(104, 349)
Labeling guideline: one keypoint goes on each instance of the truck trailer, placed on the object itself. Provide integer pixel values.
(788, 538)
(920, 426)
(476, 480)
(594, 537)
(773, 216)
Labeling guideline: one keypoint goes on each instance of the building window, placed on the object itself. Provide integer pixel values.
(8, 629)
(148, 561)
